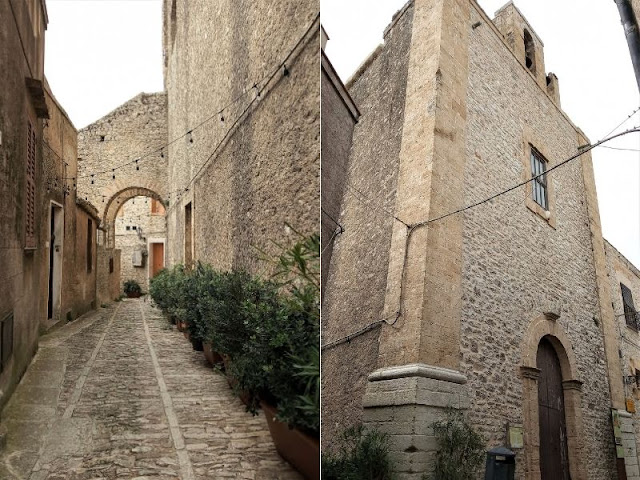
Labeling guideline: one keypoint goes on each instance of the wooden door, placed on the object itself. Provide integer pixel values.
(157, 254)
(554, 458)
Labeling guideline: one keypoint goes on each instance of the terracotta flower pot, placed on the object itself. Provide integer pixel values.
(243, 395)
(133, 294)
(302, 451)
(213, 358)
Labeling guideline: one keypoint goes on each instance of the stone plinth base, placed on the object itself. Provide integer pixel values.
(629, 444)
(404, 402)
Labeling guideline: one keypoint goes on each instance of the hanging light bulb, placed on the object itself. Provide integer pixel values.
(255, 85)
(137, 166)
(92, 180)
(221, 117)
(162, 153)
(190, 137)
(113, 170)
(285, 71)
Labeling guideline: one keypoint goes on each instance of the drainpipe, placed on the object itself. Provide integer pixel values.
(630, 24)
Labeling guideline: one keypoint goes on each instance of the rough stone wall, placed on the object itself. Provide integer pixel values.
(515, 262)
(108, 282)
(20, 270)
(60, 165)
(267, 172)
(355, 292)
(620, 270)
(130, 131)
(337, 129)
(83, 278)
(137, 212)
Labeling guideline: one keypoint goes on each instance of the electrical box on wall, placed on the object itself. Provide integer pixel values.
(138, 258)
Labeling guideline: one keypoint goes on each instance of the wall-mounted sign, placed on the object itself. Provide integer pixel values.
(515, 436)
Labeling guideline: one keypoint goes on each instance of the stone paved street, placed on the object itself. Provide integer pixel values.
(120, 394)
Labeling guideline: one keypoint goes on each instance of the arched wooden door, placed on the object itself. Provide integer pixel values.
(554, 457)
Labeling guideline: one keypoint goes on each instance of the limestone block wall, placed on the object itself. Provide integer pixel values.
(137, 213)
(267, 172)
(516, 263)
(130, 131)
(21, 273)
(108, 279)
(339, 115)
(357, 277)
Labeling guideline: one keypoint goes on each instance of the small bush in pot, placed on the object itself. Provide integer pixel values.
(359, 455)
(132, 289)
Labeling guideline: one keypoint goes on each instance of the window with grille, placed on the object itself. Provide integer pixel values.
(630, 315)
(30, 190)
(6, 341)
(538, 173)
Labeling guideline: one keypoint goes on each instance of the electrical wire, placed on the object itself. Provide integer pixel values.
(332, 219)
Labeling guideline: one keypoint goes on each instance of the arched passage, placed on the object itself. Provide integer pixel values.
(546, 331)
(115, 203)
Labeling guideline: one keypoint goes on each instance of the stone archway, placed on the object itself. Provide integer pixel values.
(546, 327)
(113, 205)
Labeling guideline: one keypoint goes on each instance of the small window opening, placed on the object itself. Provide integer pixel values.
(538, 173)
(529, 51)
(630, 315)
(128, 227)
(548, 80)
(102, 138)
(134, 227)
(111, 265)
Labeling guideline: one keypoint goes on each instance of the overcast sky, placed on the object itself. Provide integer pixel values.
(101, 53)
(584, 45)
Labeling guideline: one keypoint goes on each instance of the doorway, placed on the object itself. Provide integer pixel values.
(157, 258)
(554, 456)
(56, 237)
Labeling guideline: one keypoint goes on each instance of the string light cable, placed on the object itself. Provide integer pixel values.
(259, 91)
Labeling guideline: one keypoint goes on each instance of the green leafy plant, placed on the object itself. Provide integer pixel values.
(461, 449)
(359, 455)
(131, 287)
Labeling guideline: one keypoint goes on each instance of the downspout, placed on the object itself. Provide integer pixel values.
(630, 25)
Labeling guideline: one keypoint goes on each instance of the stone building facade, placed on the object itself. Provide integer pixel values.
(624, 283)
(339, 116)
(22, 222)
(140, 229)
(108, 173)
(473, 310)
(242, 77)
(71, 225)
(122, 161)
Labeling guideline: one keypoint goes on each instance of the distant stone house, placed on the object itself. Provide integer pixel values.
(503, 310)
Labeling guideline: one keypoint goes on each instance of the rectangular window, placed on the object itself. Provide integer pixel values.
(89, 245)
(30, 190)
(188, 235)
(156, 207)
(539, 184)
(629, 310)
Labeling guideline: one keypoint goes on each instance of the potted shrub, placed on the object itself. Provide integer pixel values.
(280, 363)
(359, 453)
(132, 289)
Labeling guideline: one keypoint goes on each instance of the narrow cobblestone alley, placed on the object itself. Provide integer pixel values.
(119, 394)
